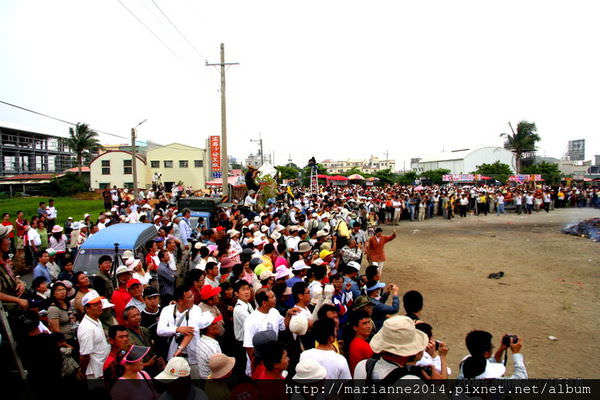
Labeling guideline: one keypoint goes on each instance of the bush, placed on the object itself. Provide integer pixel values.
(66, 185)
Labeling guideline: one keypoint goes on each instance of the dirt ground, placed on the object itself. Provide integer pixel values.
(550, 285)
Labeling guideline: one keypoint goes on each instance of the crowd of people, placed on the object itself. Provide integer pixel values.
(283, 288)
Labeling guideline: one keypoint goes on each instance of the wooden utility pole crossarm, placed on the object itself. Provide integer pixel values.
(224, 157)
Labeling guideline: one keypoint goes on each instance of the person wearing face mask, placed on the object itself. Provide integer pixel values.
(378, 300)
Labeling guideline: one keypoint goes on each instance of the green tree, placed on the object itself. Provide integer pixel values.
(549, 172)
(82, 141)
(521, 141)
(386, 176)
(407, 178)
(435, 175)
(352, 171)
(497, 170)
(288, 171)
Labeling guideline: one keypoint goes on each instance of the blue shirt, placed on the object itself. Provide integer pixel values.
(41, 270)
(354, 288)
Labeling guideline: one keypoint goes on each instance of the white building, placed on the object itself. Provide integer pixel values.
(464, 161)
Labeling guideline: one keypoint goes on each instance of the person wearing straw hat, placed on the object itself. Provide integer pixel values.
(398, 345)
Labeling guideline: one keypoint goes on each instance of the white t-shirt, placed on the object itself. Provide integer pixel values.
(258, 321)
(92, 342)
(335, 364)
(167, 325)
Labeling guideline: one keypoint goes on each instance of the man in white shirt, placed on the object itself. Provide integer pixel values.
(93, 347)
(181, 323)
(325, 354)
(265, 317)
(51, 213)
(499, 204)
(211, 328)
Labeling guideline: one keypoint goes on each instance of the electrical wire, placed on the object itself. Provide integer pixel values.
(178, 31)
(57, 119)
(152, 32)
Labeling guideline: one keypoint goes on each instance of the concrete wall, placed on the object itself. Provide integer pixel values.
(117, 176)
(191, 175)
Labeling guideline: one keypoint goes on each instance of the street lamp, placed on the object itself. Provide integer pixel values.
(133, 163)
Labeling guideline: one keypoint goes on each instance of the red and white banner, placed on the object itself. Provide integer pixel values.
(215, 152)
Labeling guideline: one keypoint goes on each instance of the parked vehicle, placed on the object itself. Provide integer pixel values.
(113, 240)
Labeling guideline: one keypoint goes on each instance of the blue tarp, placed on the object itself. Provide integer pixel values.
(124, 234)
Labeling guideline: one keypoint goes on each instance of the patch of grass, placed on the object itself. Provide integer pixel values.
(66, 207)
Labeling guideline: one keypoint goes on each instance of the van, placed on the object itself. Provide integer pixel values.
(114, 239)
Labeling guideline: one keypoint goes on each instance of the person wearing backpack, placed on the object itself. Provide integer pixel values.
(398, 345)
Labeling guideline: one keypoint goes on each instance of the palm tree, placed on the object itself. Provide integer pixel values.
(521, 141)
(82, 141)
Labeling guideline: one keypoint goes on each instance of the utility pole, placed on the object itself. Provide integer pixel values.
(133, 163)
(260, 142)
(224, 158)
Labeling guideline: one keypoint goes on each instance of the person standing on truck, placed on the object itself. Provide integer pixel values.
(185, 228)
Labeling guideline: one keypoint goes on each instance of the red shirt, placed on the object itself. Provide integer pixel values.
(20, 227)
(120, 298)
(359, 350)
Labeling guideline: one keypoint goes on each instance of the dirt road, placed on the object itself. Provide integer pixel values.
(551, 285)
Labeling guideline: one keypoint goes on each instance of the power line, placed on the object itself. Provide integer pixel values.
(152, 32)
(178, 31)
(56, 118)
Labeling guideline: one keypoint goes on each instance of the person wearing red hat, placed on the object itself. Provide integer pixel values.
(136, 290)
(209, 299)
(121, 296)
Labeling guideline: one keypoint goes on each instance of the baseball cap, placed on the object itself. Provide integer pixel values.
(177, 367)
(375, 286)
(150, 291)
(354, 265)
(132, 282)
(122, 269)
(208, 291)
(325, 253)
(207, 318)
(266, 275)
(91, 297)
(299, 265)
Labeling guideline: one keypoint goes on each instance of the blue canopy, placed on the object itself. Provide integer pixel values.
(127, 235)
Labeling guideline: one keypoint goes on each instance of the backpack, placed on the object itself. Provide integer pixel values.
(390, 378)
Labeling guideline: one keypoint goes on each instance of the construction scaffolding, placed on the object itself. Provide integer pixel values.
(24, 152)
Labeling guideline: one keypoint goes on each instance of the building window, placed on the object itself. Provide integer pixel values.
(104, 185)
(198, 163)
(168, 163)
(127, 170)
(154, 164)
(128, 185)
(183, 163)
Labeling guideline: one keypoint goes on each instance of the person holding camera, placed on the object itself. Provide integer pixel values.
(482, 365)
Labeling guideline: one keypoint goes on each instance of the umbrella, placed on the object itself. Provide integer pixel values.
(323, 176)
(485, 177)
(356, 177)
(373, 179)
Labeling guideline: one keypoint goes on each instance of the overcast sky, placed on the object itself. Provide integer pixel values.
(333, 79)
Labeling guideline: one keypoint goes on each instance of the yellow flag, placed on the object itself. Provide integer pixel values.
(289, 191)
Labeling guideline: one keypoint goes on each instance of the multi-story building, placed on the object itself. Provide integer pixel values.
(257, 160)
(25, 151)
(170, 164)
(463, 161)
(373, 164)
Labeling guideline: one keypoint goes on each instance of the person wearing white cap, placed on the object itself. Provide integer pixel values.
(399, 343)
(93, 347)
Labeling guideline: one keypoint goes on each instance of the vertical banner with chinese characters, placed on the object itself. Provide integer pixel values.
(215, 155)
